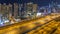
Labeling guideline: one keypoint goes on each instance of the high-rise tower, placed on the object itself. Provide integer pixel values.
(15, 10)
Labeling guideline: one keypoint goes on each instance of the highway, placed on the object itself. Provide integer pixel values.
(52, 27)
(32, 26)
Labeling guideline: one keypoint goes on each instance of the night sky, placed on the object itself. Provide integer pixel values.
(39, 2)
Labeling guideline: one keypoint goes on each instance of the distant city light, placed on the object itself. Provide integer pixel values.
(38, 14)
(6, 21)
(1, 23)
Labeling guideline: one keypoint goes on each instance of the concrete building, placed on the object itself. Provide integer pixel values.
(34, 12)
(15, 10)
(29, 9)
(20, 9)
(9, 8)
(3, 9)
(0, 8)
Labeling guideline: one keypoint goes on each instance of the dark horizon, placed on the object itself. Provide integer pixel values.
(39, 2)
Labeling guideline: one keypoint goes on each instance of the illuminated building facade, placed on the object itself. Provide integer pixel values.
(15, 10)
(31, 10)
(10, 9)
(0, 8)
(34, 12)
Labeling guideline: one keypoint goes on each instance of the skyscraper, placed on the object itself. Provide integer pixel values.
(10, 9)
(0, 7)
(15, 10)
(29, 9)
(3, 8)
(34, 12)
(20, 9)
